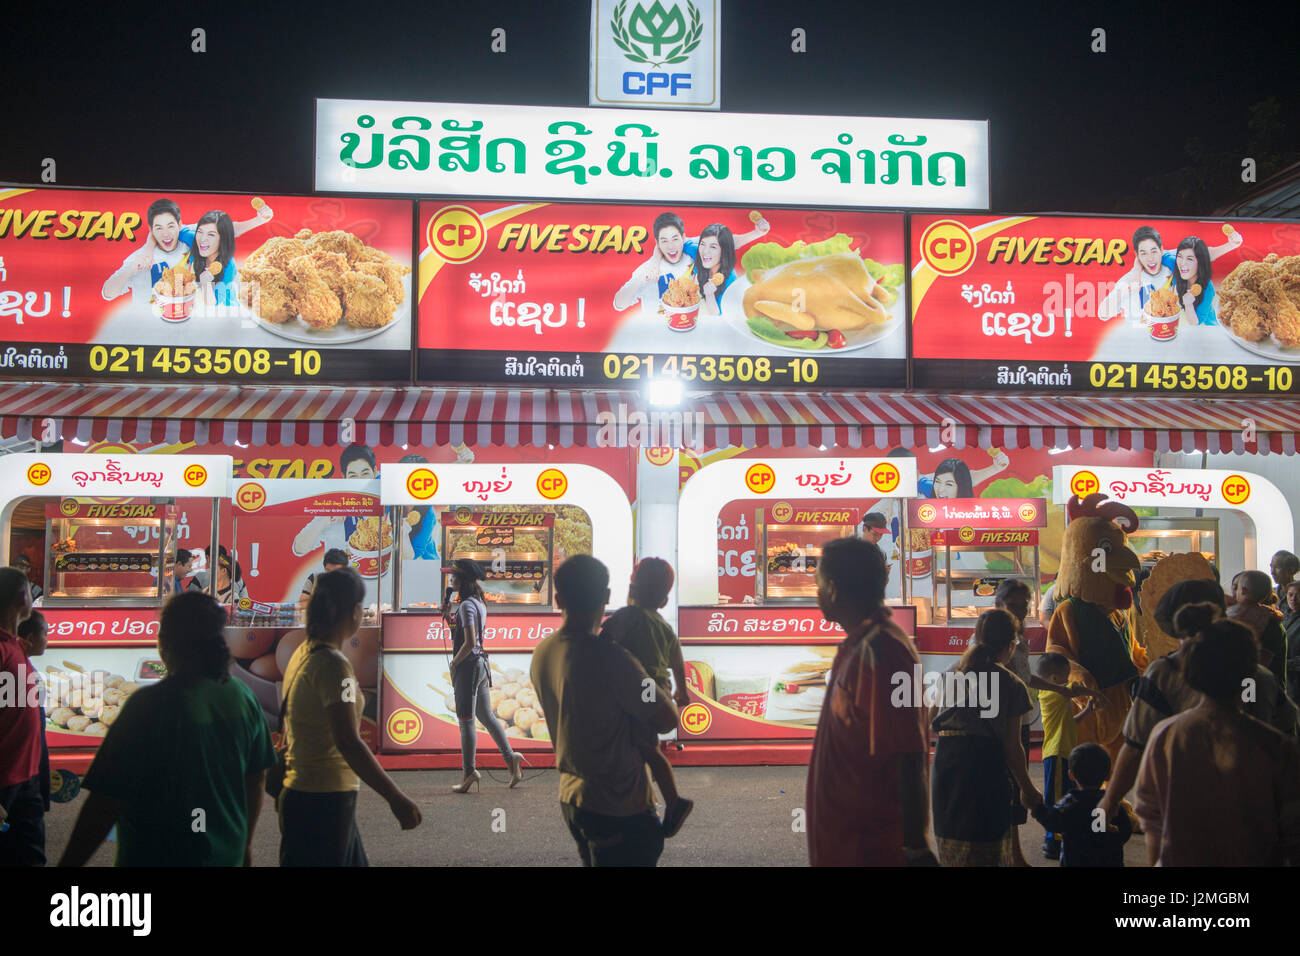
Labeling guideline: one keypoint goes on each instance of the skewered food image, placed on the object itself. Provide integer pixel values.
(326, 278)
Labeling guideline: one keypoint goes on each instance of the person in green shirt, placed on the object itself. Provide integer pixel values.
(642, 632)
(181, 770)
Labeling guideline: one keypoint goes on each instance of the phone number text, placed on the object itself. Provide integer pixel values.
(710, 368)
(166, 360)
(1189, 378)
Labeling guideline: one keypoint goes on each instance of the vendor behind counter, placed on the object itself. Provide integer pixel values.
(228, 590)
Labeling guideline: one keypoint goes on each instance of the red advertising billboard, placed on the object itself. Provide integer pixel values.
(130, 286)
(532, 294)
(1058, 304)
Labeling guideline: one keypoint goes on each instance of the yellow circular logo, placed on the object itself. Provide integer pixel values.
(463, 515)
(1084, 483)
(885, 477)
(250, 496)
(404, 726)
(1236, 489)
(422, 484)
(696, 718)
(195, 475)
(69, 506)
(760, 478)
(659, 456)
(552, 484)
(39, 473)
(927, 513)
(782, 511)
(456, 234)
(948, 247)
(1028, 513)
(967, 535)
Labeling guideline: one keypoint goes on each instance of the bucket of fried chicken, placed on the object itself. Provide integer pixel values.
(370, 546)
(174, 294)
(1161, 314)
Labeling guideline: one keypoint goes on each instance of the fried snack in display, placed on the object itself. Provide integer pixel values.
(1163, 304)
(366, 302)
(682, 293)
(267, 293)
(1262, 299)
(326, 277)
(317, 304)
(367, 537)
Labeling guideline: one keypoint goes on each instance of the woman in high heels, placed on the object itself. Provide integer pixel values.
(470, 677)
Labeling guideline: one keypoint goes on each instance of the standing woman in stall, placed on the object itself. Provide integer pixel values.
(470, 677)
(326, 759)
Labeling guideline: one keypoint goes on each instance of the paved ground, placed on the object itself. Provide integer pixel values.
(742, 817)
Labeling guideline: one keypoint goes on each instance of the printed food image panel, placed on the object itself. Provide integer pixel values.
(420, 705)
(85, 689)
(755, 692)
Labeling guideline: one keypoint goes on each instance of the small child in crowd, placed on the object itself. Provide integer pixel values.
(1088, 840)
(1252, 592)
(1060, 734)
(643, 633)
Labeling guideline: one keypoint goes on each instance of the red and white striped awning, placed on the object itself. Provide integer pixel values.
(218, 414)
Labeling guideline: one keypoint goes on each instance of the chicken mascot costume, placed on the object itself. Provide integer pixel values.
(1090, 625)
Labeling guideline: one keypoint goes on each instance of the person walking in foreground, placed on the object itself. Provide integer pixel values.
(1073, 817)
(470, 676)
(866, 795)
(979, 744)
(594, 693)
(22, 843)
(325, 754)
(1218, 788)
(196, 739)
(642, 632)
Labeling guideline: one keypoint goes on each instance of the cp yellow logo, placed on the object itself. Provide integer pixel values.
(782, 511)
(760, 478)
(659, 456)
(69, 506)
(885, 477)
(456, 234)
(422, 484)
(552, 484)
(39, 474)
(927, 513)
(404, 726)
(250, 496)
(195, 475)
(1084, 483)
(696, 718)
(1236, 489)
(1028, 512)
(463, 515)
(948, 247)
(967, 535)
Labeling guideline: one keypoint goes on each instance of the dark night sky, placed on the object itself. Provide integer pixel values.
(113, 93)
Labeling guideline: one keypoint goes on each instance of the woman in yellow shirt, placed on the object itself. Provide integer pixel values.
(327, 759)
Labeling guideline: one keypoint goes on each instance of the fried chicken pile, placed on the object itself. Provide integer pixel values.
(325, 278)
(1259, 299)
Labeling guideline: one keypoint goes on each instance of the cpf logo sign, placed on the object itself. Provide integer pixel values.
(655, 53)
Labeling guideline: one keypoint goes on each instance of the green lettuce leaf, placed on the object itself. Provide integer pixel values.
(769, 331)
(1040, 487)
(769, 255)
(891, 277)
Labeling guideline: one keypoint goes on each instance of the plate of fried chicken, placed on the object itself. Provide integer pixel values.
(1258, 305)
(323, 287)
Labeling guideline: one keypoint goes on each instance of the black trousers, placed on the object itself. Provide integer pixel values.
(615, 841)
(23, 844)
(320, 829)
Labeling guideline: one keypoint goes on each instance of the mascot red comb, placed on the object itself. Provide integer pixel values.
(1094, 589)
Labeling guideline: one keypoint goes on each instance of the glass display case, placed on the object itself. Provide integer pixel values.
(969, 565)
(790, 541)
(109, 553)
(1156, 538)
(514, 549)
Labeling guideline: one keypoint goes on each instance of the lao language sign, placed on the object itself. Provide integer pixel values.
(123, 286)
(977, 513)
(1052, 304)
(537, 293)
(375, 146)
(656, 54)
